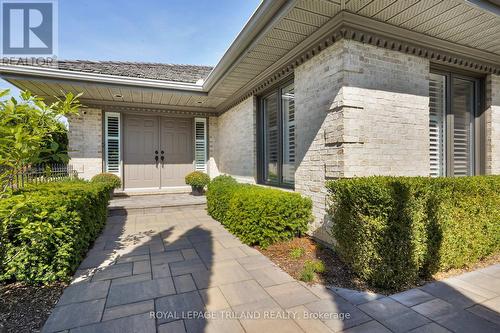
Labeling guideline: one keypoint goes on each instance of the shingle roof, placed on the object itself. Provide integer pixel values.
(168, 72)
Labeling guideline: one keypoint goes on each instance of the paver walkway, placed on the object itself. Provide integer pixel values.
(181, 271)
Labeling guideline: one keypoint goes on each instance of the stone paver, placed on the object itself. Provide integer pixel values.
(412, 297)
(74, 315)
(126, 310)
(158, 270)
(82, 292)
(356, 297)
(291, 294)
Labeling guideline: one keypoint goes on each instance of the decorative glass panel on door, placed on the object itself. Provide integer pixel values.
(437, 118)
(271, 138)
(288, 107)
(462, 106)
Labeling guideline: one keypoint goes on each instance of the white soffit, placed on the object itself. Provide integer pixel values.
(458, 21)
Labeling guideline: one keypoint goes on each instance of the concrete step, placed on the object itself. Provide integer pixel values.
(151, 204)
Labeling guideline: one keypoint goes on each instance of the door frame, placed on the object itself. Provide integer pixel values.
(123, 115)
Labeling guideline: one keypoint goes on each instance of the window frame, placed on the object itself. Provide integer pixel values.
(477, 150)
(261, 133)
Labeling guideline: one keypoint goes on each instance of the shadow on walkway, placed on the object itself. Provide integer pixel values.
(181, 271)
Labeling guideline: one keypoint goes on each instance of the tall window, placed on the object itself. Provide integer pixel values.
(277, 144)
(453, 102)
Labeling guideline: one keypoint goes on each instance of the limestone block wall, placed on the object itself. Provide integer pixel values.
(85, 142)
(361, 110)
(317, 86)
(213, 140)
(493, 124)
(236, 148)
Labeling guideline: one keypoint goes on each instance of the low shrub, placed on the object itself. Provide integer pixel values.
(258, 215)
(297, 252)
(49, 228)
(310, 269)
(197, 179)
(113, 180)
(219, 192)
(394, 230)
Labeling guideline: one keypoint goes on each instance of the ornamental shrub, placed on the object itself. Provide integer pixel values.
(219, 193)
(258, 215)
(49, 228)
(197, 179)
(113, 180)
(394, 230)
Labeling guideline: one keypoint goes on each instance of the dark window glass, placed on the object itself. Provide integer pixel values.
(452, 100)
(271, 135)
(277, 123)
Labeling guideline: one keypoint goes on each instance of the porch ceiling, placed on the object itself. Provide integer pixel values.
(100, 93)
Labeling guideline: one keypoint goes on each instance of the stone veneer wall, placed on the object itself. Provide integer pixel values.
(236, 147)
(213, 139)
(360, 111)
(493, 124)
(85, 142)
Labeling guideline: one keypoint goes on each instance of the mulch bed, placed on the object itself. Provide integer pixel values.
(25, 308)
(336, 272)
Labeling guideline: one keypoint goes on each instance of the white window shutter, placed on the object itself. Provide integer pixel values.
(112, 149)
(200, 145)
(437, 127)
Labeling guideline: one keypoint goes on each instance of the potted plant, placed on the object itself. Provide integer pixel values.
(198, 180)
(110, 179)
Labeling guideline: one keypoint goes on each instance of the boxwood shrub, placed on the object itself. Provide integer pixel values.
(49, 228)
(219, 192)
(258, 215)
(394, 230)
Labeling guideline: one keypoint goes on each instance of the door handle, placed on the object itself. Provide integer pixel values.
(156, 158)
(162, 158)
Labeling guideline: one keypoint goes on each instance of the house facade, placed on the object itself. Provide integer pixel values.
(310, 90)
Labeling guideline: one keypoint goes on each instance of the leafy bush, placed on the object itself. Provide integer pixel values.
(49, 228)
(219, 192)
(31, 133)
(113, 180)
(197, 179)
(258, 215)
(394, 230)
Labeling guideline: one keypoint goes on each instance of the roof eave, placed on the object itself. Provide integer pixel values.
(52, 73)
(264, 14)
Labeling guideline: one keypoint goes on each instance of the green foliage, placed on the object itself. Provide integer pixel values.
(109, 178)
(394, 230)
(56, 150)
(49, 228)
(297, 252)
(258, 215)
(30, 132)
(310, 269)
(197, 179)
(307, 275)
(219, 192)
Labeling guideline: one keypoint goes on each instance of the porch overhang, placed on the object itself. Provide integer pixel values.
(107, 90)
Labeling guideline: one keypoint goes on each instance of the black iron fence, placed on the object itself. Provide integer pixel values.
(43, 173)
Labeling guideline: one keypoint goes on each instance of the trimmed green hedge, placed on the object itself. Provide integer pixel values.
(49, 228)
(257, 215)
(106, 177)
(394, 230)
(219, 192)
